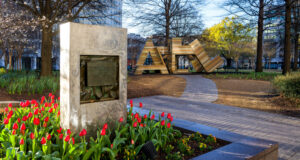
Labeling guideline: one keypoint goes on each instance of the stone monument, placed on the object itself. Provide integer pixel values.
(93, 76)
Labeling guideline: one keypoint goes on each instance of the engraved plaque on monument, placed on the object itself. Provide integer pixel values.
(99, 80)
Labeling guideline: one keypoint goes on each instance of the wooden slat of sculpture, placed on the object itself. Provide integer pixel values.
(158, 63)
(207, 64)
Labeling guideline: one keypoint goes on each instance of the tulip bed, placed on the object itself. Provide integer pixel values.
(32, 131)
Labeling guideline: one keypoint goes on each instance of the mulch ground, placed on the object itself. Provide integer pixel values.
(254, 94)
(150, 85)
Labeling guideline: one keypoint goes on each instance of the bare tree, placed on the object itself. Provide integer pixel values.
(50, 12)
(255, 10)
(296, 24)
(287, 38)
(166, 17)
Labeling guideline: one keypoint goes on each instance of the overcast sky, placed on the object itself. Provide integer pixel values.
(211, 12)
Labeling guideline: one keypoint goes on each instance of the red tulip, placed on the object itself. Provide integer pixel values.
(82, 133)
(50, 94)
(49, 137)
(15, 126)
(69, 132)
(162, 122)
(132, 142)
(6, 109)
(52, 97)
(23, 127)
(61, 136)
(46, 104)
(73, 140)
(105, 126)
(59, 130)
(171, 119)
(43, 140)
(121, 119)
(169, 115)
(131, 102)
(136, 115)
(36, 121)
(168, 125)
(135, 124)
(36, 105)
(21, 141)
(6, 121)
(19, 120)
(162, 114)
(29, 115)
(46, 119)
(45, 124)
(50, 110)
(55, 105)
(145, 116)
(103, 132)
(67, 139)
(141, 125)
(24, 118)
(152, 117)
(36, 111)
(139, 120)
(58, 98)
(13, 132)
(10, 105)
(111, 146)
(31, 135)
(43, 99)
(141, 104)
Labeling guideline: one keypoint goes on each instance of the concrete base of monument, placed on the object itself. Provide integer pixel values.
(241, 147)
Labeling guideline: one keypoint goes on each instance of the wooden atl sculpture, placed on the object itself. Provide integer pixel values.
(167, 62)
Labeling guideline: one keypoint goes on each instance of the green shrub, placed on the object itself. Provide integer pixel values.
(288, 85)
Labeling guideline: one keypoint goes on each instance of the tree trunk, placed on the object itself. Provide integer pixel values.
(10, 53)
(5, 60)
(46, 69)
(20, 62)
(167, 28)
(296, 56)
(237, 65)
(287, 38)
(259, 67)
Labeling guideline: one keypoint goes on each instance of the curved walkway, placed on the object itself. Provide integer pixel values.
(195, 105)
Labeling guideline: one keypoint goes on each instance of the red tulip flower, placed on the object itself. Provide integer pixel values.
(162, 122)
(36, 111)
(171, 119)
(31, 136)
(29, 115)
(50, 95)
(58, 98)
(152, 117)
(13, 132)
(73, 140)
(69, 132)
(24, 118)
(141, 125)
(19, 120)
(141, 105)
(67, 139)
(162, 114)
(168, 125)
(132, 142)
(105, 126)
(139, 120)
(10, 105)
(45, 124)
(50, 110)
(21, 141)
(169, 115)
(49, 137)
(134, 124)
(61, 136)
(36, 121)
(23, 127)
(6, 109)
(131, 102)
(43, 140)
(121, 119)
(15, 126)
(6, 121)
(59, 130)
(46, 119)
(111, 146)
(82, 133)
(145, 116)
(103, 132)
(43, 99)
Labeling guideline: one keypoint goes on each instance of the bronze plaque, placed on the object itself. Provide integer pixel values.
(102, 73)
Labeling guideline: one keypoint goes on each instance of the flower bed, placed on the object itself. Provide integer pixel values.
(32, 131)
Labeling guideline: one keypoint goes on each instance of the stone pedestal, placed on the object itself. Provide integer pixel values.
(81, 40)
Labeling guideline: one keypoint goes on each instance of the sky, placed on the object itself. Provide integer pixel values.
(211, 12)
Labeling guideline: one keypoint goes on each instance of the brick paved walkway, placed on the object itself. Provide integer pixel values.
(194, 105)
